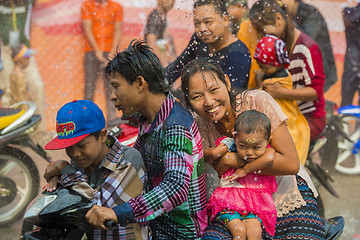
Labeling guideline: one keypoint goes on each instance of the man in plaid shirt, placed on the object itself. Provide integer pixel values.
(174, 201)
(101, 168)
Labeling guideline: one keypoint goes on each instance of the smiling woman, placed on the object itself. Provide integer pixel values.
(210, 104)
(207, 91)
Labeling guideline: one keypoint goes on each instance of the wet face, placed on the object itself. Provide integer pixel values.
(88, 153)
(124, 95)
(250, 146)
(210, 26)
(268, 69)
(208, 96)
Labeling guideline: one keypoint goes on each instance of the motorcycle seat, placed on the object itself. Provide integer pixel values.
(9, 115)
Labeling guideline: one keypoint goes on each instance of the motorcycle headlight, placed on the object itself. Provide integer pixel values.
(37, 205)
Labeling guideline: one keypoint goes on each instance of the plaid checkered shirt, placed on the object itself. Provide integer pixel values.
(119, 178)
(174, 203)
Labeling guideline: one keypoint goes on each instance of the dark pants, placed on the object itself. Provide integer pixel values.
(351, 75)
(93, 69)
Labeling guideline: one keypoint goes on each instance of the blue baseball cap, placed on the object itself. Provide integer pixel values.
(74, 122)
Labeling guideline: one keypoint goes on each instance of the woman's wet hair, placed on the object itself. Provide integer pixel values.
(202, 65)
(138, 60)
(252, 121)
(263, 13)
(219, 5)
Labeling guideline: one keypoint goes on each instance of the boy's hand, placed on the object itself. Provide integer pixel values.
(54, 169)
(238, 174)
(97, 215)
(52, 184)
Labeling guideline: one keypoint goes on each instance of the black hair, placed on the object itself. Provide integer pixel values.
(263, 12)
(138, 60)
(219, 5)
(251, 121)
(96, 134)
(201, 65)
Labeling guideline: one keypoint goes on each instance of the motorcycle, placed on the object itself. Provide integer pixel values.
(349, 140)
(60, 215)
(19, 176)
(325, 148)
(343, 133)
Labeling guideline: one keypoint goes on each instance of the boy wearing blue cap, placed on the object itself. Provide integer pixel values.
(100, 167)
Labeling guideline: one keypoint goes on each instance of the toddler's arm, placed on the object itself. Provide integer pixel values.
(257, 165)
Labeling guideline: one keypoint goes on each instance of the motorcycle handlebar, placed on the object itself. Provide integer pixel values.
(111, 224)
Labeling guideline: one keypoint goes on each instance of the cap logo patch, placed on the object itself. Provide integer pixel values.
(63, 129)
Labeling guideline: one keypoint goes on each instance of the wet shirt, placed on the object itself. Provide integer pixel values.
(156, 24)
(174, 201)
(307, 70)
(107, 186)
(234, 59)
